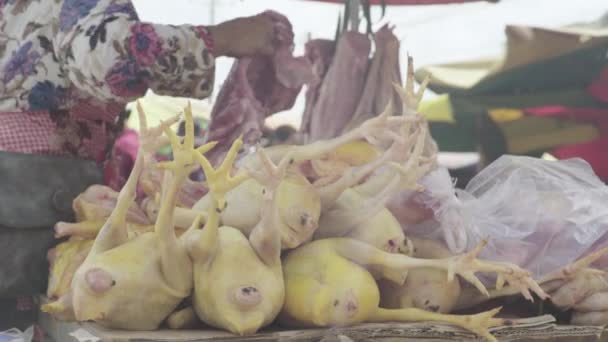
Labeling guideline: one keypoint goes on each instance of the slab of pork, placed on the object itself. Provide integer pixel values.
(256, 88)
(341, 88)
(383, 72)
(320, 53)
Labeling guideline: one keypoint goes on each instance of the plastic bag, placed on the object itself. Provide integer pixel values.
(439, 196)
(538, 214)
(16, 335)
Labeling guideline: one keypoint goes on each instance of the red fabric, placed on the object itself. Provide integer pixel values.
(122, 159)
(36, 132)
(27, 133)
(596, 115)
(594, 152)
(406, 2)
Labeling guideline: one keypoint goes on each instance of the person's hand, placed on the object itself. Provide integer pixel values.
(248, 36)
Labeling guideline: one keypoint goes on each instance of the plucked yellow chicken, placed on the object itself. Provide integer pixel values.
(360, 211)
(92, 209)
(358, 215)
(151, 180)
(300, 203)
(238, 281)
(328, 283)
(135, 284)
(300, 208)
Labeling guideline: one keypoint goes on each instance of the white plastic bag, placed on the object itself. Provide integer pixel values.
(538, 214)
(16, 335)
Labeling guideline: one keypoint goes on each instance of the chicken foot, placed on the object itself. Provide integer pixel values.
(266, 237)
(366, 218)
(465, 265)
(373, 130)
(478, 323)
(410, 100)
(202, 246)
(256, 286)
(151, 181)
(579, 271)
(399, 150)
(172, 254)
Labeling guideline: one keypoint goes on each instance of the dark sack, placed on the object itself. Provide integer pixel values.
(35, 193)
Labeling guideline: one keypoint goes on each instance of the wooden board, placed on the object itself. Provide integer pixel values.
(542, 328)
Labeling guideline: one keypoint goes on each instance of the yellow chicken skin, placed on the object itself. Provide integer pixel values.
(97, 202)
(363, 216)
(332, 165)
(424, 288)
(66, 258)
(299, 207)
(151, 180)
(135, 284)
(300, 203)
(90, 229)
(92, 209)
(69, 255)
(238, 281)
(328, 283)
(360, 211)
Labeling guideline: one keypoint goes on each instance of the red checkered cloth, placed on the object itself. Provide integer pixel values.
(34, 132)
(27, 132)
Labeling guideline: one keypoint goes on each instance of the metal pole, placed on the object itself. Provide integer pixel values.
(212, 13)
(211, 22)
(354, 6)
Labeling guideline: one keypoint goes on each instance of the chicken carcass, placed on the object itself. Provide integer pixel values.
(136, 283)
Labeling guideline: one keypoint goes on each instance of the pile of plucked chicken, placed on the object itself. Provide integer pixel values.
(298, 236)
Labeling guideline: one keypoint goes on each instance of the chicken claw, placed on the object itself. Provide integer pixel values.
(374, 130)
(272, 175)
(151, 138)
(219, 180)
(416, 166)
(467, 264)
(578, 286)
(570, 271)
(478, 323)
(409, 97)
(183, 158)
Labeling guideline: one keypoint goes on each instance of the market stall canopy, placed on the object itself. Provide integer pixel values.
(547, 92)
(408, 2)
(534, 58)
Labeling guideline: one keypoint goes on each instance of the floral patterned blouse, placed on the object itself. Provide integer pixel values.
(69, 67)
